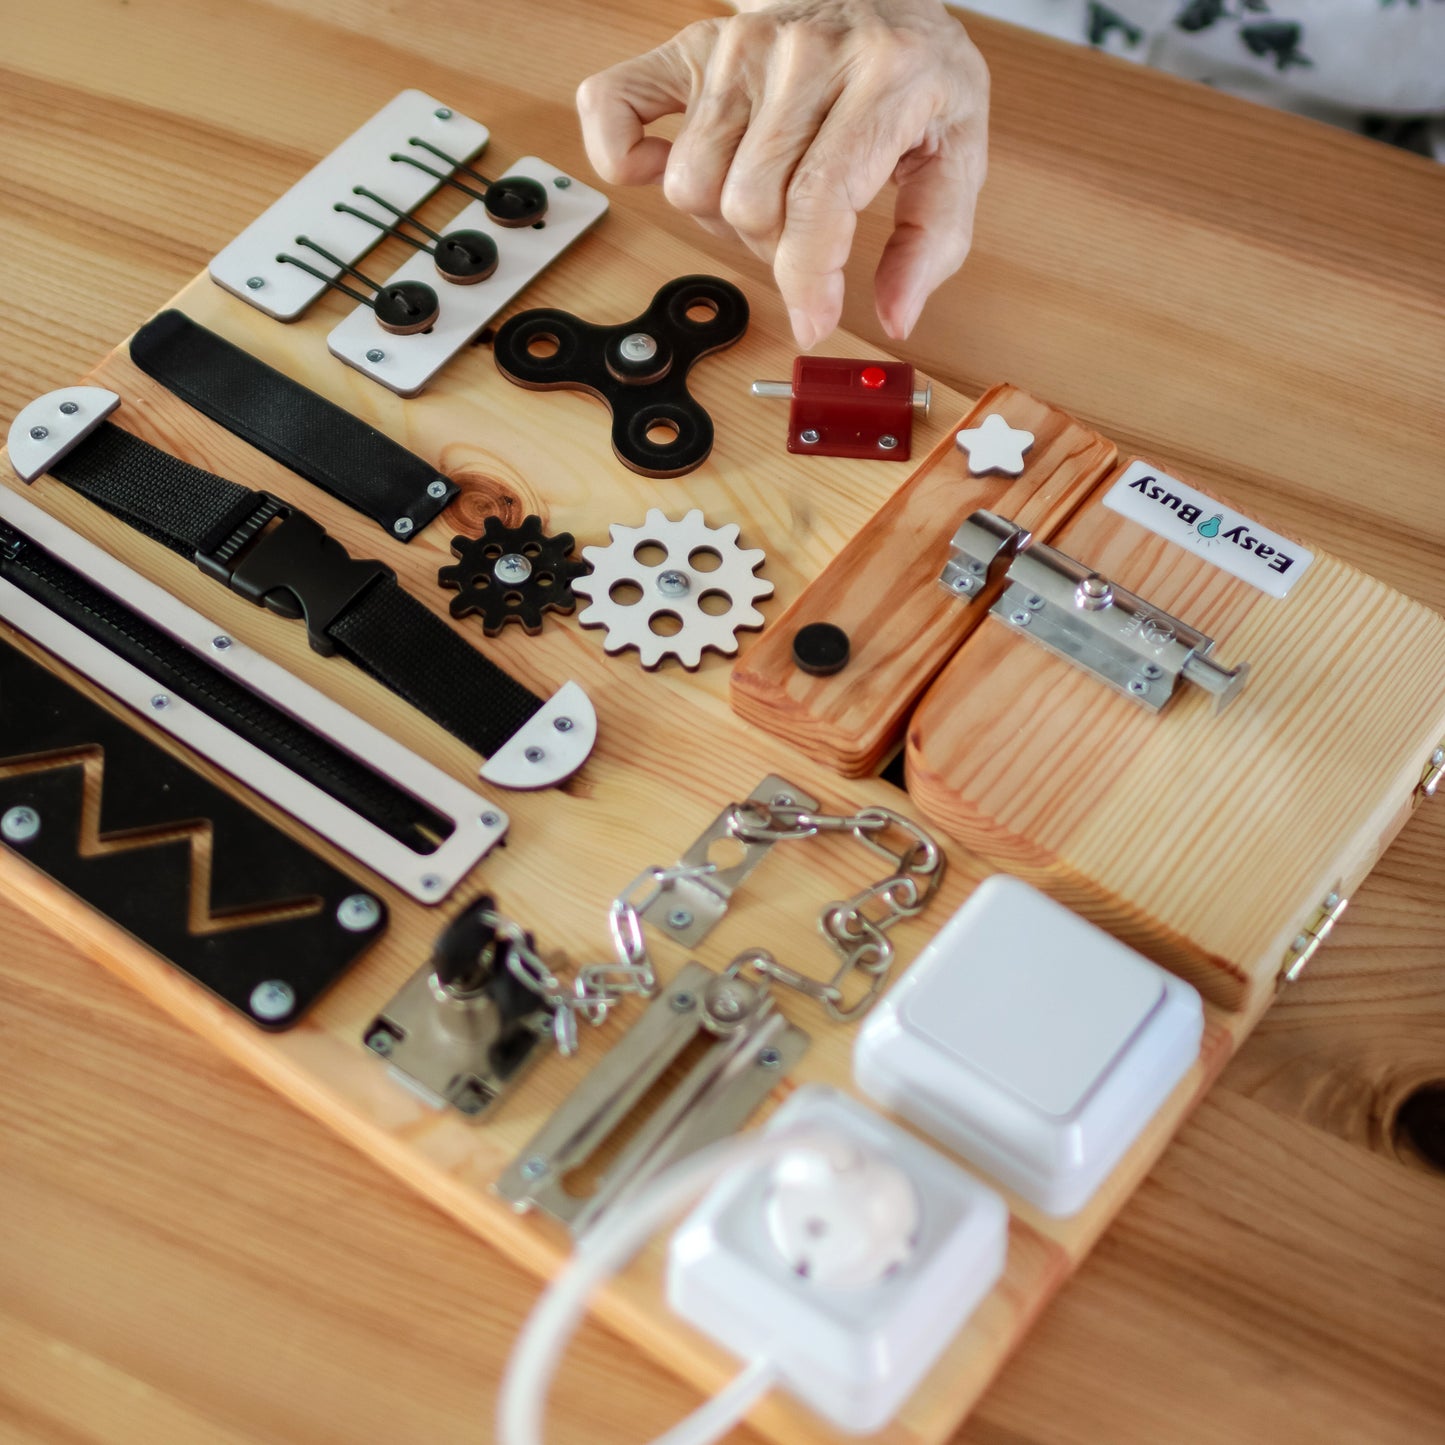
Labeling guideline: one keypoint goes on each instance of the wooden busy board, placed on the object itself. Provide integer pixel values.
(670, 755)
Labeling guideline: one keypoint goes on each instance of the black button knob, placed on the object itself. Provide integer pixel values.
(821, 648)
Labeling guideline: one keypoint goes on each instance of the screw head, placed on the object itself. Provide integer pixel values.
(489, 819)
(358, 912)
(403, 526)
(69, 408)
(442, 113)
(19, 825)
(673, 584)
(770, 1058)
(682, 1000)
(381, 1041)
(887, 443)
(375, 354)
(1138, 686)
(160, 702)
(255, 283)
(562, 182)
(534, 754)
(782, 800)
(679, 918)
(562, 724)
(39, 433)
(273, 999)
(430, 882)
(221, 642)
(808, 436)
(535, 1167)
(1332, 900)
(639, 346)
(1020, 617)
(1152, 670)
(512, 568)
(1437, 758)
(436, 489)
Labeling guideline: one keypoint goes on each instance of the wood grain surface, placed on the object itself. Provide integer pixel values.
(186, 1258)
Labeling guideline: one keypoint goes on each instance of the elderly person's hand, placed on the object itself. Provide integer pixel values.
(798, 113)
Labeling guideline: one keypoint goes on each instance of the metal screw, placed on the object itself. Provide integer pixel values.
(561, 182)
(382, 1042)
(1138, 686)
(430, 882)
(782, 800)
(358, 912)
(1332, 901)
(221, 642)
(562, 724)
(808, 437)
(769, 1058)
(255, 283)
(512, 568)
(376, 354)
(39, 433)
(1437, 758)
(534, 754)
(673, 584)
(489, 819)
(887, 443)
(273, 999)
(19, 825)
(534, 1168)
(437, 489)
(1301, 942)
(160, 702)
(1020, 618)
(682, 1000)
(403, 526)
(69, 408)
(442, 113)
(639, 346)
(1034, 602)
(1152, 670)
(679, 918)
(975, 566)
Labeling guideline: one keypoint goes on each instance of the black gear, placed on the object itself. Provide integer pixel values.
(547, 587)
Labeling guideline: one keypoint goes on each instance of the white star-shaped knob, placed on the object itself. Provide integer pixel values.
(994, 446)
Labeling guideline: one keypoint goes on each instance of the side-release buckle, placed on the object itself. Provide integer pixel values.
(286, 561)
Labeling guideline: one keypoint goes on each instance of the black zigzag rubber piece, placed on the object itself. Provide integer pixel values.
(284, 896)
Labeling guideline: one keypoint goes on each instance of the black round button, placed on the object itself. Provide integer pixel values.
(516, 201)
(466, 256)
(821, 649)
(406, 307)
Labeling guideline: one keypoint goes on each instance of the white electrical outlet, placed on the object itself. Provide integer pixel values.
(847, 1266)
(1031, 1042)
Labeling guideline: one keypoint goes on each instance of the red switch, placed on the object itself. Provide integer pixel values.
(847, 408)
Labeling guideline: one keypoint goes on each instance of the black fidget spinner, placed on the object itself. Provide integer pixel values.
(638, 368)
(512, 574)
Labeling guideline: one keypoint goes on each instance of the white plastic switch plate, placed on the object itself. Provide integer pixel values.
(248, 267)
(1031, 1042)
(851, 1351)
(407, 363)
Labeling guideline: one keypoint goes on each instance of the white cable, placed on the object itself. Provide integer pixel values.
(622, 1231)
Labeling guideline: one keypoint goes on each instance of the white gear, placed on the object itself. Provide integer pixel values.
(673, 587)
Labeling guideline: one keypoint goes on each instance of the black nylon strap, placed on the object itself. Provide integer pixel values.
(302, 572)
(319, 440)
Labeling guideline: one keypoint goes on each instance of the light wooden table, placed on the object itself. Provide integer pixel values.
(183, 1257)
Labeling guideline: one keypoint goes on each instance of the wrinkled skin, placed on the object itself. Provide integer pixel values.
(798, 114)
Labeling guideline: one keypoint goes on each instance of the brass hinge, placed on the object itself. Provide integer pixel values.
(1310, 939)
(1430, 780)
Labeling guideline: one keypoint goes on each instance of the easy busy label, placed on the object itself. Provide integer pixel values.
(1175, 510)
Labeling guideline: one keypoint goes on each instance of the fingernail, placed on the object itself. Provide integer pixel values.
(804, 330)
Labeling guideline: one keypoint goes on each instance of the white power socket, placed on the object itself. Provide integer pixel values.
(848, 1266)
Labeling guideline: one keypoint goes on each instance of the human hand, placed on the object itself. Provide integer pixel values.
(798, 113)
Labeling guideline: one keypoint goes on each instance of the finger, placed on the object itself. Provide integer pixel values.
(844, 169)
(784, 126)
(932, 233)
(617, 105)
(702, 153)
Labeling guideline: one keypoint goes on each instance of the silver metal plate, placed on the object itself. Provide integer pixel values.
(712, 1100)
(690, 908)
(477, 824)
(248, 267)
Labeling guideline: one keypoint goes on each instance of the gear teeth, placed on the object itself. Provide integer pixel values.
(630, 624)
(547, 587)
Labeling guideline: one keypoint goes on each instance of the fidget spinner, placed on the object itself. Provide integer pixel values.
(512, 574)
(673, 589)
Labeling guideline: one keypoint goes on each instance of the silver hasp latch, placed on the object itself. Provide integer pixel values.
(1134, 647)
(738, 1048)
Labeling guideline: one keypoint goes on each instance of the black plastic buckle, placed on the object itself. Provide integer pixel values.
(284, 560)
